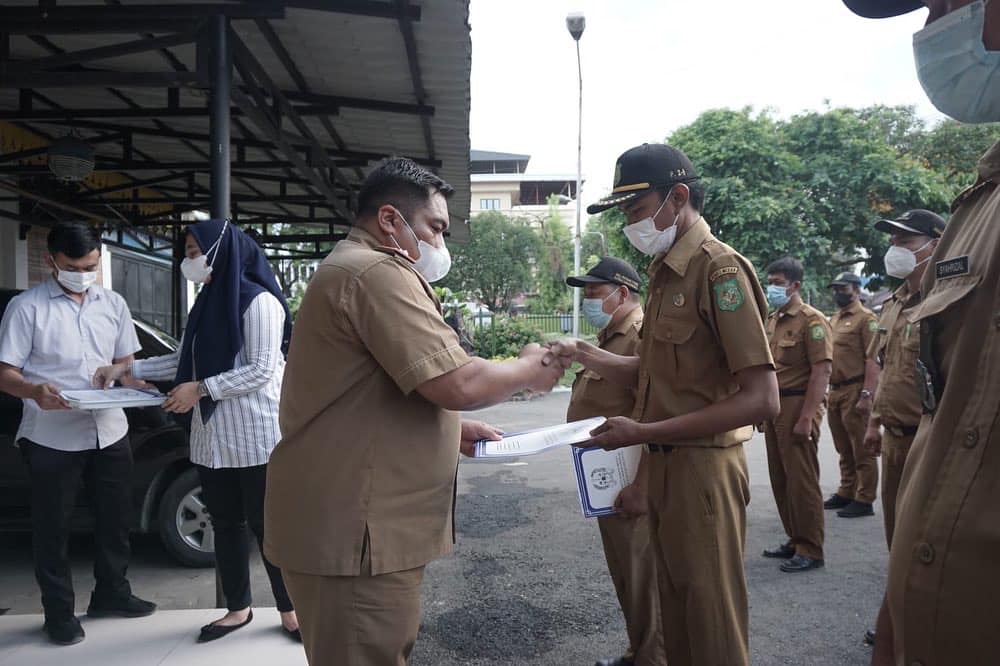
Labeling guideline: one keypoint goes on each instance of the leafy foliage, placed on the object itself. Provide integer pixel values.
(504, 338)
(497, 263)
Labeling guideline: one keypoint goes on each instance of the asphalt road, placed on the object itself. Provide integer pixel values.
(527, 583)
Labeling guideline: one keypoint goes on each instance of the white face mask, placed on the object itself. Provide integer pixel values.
(961, 78)
(900, 262)
(198, 269)
(434, 262)
(74, 281)
(649, 240)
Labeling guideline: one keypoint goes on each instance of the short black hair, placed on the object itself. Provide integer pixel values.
(402, 183)
(696, 194)
(73, 239)
(788, 266)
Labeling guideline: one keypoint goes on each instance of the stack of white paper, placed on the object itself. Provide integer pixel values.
(536, 441)
(112, 398)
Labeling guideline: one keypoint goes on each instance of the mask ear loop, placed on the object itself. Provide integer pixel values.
(216, 244)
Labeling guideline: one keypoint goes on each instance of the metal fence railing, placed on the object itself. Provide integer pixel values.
(548, 324)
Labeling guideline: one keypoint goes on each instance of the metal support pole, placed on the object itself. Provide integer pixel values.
(221, 69)
(579, 181)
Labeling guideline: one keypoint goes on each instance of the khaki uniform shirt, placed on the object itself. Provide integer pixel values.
(704, 323)
(853, 330)
(595, 396)
(361, 452)
(895, 349)
(943, 581)
(800, 338)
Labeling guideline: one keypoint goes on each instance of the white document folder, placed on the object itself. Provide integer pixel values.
(112, 398)
(601, 475)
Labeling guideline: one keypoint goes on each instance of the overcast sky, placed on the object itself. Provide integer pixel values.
(651, 66)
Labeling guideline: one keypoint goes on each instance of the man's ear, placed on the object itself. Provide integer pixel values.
(386, 217)
(681, 194)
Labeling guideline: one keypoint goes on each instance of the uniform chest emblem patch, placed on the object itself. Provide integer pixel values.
(679, 300)
(728, 295)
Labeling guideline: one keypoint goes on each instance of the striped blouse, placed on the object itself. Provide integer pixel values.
(243, 429)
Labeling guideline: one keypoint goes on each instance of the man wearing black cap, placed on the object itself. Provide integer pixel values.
(941, 597)
(854, 327)
(611, 304)
(890, 374)
(704, 374)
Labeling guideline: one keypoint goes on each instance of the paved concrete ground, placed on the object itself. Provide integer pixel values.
(528, 584)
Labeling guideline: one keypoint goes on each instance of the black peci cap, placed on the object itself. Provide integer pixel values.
(845, 279)
(918, 221)
(609, 270)
(643, 168)
(882, 8)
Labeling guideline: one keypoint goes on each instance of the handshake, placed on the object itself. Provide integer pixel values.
(547, 363)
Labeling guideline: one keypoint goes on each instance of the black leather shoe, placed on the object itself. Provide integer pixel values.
(801, 563)
(782, 552)
(130, 606)
(64, 632)
(856, 510)
(213, 631)
(294, 634)
(869, 638)
(836, 501)
(616, 661)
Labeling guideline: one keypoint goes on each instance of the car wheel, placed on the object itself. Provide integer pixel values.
(185, 526)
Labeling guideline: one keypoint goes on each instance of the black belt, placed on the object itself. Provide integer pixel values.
(787, 393)
(660, 448)
(901, 431)
(847, 382)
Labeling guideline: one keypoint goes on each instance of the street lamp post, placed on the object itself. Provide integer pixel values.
(575, 23)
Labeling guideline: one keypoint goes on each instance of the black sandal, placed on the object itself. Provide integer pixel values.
(213, 631)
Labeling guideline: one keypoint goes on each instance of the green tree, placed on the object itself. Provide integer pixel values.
(952, 149)
(555, 261)
(497, 262)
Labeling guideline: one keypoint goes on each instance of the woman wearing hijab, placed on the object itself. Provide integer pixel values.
(228, 371)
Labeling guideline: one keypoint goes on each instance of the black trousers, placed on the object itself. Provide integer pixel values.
(234, 497)
(55, 481)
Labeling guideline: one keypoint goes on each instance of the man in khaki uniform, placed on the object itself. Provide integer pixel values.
(704, 375)
(802, 347)
(611, 304)
(941, 599)
(854, 327)
(361, 488)
(891, 371)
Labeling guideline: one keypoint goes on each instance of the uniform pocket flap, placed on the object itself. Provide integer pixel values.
(945, 294)
(675, 331)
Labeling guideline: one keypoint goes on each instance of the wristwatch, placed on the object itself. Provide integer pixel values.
(865, 393)
(203, 390)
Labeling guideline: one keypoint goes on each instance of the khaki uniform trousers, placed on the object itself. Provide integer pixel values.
(793, 465)
(858, 468)
(357, 620)
(698, 500)
(894, 451)
(632, 565)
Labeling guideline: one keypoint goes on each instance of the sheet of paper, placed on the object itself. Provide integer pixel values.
(112, 398)
(536, 441)
(601, 475)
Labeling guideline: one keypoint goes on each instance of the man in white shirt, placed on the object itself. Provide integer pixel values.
(53, 337)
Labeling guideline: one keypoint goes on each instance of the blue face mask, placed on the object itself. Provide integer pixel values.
(593, 311)
(961, 78)
(777, 296)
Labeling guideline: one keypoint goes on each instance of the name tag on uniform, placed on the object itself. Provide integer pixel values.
(952, 267)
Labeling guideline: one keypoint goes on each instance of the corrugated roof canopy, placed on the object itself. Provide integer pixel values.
(347, 81)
